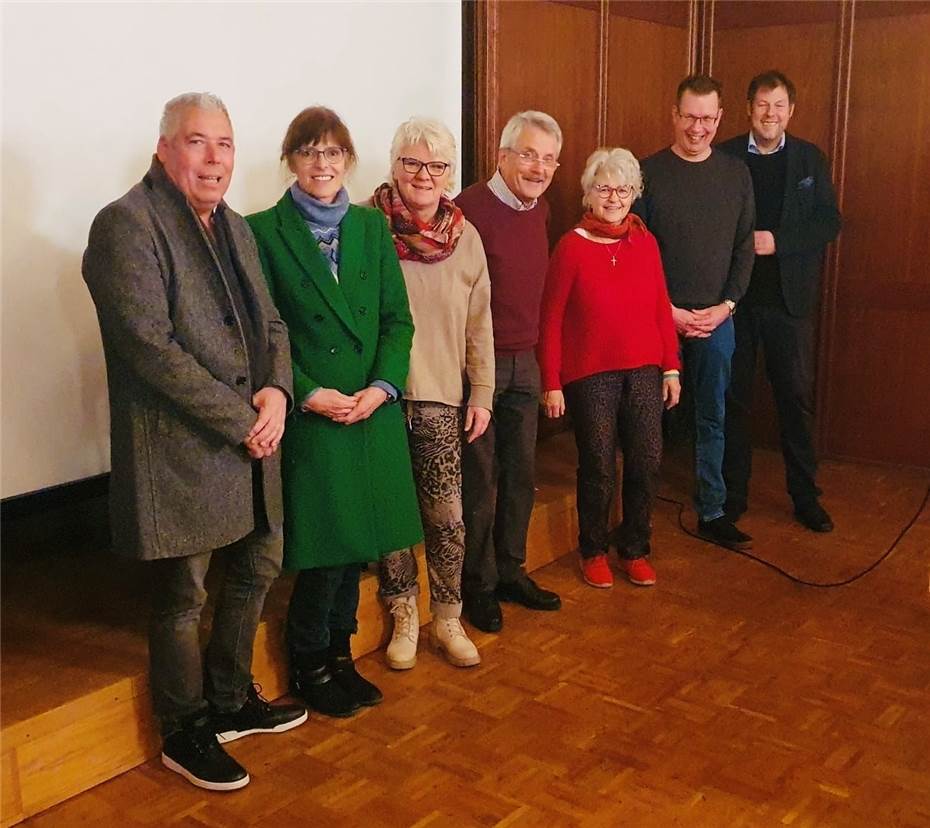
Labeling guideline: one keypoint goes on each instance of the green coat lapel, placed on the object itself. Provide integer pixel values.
(300, 242)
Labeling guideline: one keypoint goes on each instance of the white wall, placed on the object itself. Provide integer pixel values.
(83, 87)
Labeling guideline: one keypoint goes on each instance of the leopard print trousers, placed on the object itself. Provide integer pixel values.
(435, 437)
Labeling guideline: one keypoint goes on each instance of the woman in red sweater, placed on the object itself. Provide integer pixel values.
(608, 349)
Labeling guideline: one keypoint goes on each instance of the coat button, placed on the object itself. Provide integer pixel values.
(305, 283)
(240, 380)
(229, 320)
(334, 350)
(362, 311)
(363, 275)
(358, 349)
(318, 317)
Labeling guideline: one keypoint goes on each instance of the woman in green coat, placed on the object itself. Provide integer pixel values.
(349, 496)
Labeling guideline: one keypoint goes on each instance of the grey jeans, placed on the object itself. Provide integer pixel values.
(184, 681)
(498, 478)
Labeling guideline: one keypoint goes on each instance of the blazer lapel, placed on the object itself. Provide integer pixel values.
(300, 241)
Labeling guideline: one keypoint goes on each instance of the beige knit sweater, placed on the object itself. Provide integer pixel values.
(453, 345)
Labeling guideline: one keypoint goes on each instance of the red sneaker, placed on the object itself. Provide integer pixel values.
(597, 572)
(639, 571)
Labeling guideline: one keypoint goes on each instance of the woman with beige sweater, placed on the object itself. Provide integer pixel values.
(450, 386)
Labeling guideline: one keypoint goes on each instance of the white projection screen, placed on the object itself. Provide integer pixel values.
(83, 86)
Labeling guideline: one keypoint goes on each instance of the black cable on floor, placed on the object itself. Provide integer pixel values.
(784, 573)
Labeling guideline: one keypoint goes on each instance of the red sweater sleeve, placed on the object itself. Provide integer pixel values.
(559, 281)
(671, 361)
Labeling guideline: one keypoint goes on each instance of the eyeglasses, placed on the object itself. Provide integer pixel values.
(434, 168)
(528, 159)
(605, 192)
(706, 121)
(309, 155)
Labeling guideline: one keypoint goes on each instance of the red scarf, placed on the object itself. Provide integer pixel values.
(414, 240)
(630, 225)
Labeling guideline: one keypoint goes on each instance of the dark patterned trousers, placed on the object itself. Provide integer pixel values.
(435, 436)
(625, 404)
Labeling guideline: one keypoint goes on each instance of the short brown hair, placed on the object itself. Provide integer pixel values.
(700, 85)
(311, 126)
(770, 79)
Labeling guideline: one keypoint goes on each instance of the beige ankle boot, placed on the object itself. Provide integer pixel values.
(402, 651)
(447, 635)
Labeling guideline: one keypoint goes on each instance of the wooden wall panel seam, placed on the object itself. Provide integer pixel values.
(603, 71)
(825, 388)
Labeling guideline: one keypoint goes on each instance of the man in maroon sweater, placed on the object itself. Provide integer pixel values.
(498, 470)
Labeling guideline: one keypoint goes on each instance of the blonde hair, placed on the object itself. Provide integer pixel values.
(435, 134)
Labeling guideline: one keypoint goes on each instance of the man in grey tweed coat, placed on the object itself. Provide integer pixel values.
(199, 378)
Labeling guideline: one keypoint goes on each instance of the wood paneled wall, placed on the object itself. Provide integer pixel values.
(607, 72)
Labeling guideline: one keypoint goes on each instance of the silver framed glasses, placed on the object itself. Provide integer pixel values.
(308, 155)
(529, 159)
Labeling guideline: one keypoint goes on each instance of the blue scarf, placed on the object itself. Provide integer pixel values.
(324, 221)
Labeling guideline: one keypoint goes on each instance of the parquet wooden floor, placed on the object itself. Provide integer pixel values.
(724, 696)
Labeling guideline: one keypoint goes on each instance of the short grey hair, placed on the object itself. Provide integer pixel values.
(435, 134)
(175, 108)
(519, 122)
(617, 160)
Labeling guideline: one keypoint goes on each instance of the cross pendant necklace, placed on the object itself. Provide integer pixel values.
(613, 255)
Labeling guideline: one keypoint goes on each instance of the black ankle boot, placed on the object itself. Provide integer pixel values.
(313, 681)
(341, 665)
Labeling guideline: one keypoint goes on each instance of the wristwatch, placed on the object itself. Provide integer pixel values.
(731, 305)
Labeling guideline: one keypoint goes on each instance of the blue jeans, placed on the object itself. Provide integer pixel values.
(324, 599)
(183, 680)
(707, 372)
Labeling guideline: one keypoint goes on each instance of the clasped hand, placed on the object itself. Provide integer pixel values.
(265, 435)
(699, 324)
(345, 408)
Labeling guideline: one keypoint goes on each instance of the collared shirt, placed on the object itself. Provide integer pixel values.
(754, 147)
(499, 187)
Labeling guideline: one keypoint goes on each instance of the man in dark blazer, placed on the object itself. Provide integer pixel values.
(199, 379)
(796, 218)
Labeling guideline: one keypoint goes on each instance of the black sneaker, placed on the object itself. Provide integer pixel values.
(524, 590)
(358, 688)
(813, 516)
(483, 611)
(722, 532)
(195, 753)
(257, 716)
(321, 692)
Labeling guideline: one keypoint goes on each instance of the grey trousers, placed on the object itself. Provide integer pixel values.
(184, 681)
(498, 478)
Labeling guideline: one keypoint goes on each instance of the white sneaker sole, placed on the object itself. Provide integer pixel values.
(454, 660)
(231, 735)
(169, 763)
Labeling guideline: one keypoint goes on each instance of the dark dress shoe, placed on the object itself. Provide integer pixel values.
(358, 688)
(814, 517)
(321, 692)
(525, 591)
(722, 532)
(483, 612)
